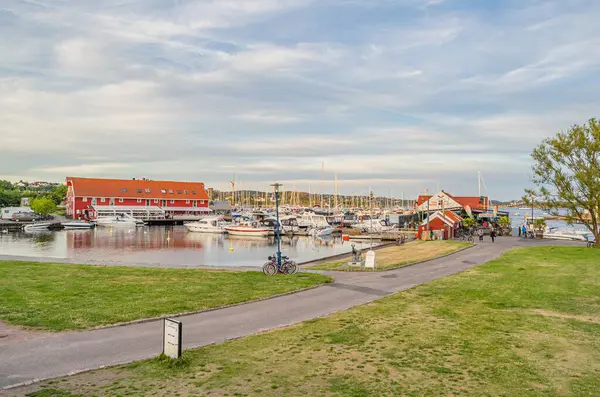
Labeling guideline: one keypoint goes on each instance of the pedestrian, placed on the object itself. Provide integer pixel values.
(524, 230)
(520, 230)
(493, 235)
(480, 234)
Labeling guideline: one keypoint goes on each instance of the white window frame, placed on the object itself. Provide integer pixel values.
(155, 201)
(120, 200)
(85, 199)
(187, 201)
(172, 201)
(201, 202)
(102, 199)
(139, 200)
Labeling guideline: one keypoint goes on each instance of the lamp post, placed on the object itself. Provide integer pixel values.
(532, 199)
(276, 187)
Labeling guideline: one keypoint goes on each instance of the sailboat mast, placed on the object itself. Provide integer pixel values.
(479, 183)
(322, 177)
(336, 191)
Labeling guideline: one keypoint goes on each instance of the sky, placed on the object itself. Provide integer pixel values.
(395, 96)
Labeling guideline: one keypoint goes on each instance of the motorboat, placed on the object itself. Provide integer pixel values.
(41, 226)
(321, 232)
(374, 226)
(310, 220)
(78, 225)
(252, 229)
(116, 221)
(212, 224)
(567, 234)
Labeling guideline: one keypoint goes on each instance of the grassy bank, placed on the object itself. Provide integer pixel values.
(58, 297)
(398, 256)
(526, 324)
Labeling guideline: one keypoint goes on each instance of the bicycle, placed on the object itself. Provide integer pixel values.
(288, 266)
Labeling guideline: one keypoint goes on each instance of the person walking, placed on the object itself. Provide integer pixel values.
(480, 234)
(520, 230)
(493, 235)
(524, 230)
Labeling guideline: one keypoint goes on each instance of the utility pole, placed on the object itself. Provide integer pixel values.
(276, 187)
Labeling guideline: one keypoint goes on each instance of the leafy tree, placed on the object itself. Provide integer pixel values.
(5, 185)
(10, 198)
(539, 224)
(43, 205)
(566, 171)
(58, 193)
(504, 221)
(468, 222)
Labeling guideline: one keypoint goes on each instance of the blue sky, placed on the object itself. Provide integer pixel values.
(397, 95)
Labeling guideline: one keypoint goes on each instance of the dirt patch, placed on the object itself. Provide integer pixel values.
(10, 334)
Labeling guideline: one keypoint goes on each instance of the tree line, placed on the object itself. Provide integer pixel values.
(44, 199)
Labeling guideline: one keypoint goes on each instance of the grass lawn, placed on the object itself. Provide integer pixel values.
(526, 324)
(401, 255)
(59, 297)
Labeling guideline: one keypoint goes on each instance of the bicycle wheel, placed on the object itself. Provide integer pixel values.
(269, 269)
(290, 267)
(471, 239)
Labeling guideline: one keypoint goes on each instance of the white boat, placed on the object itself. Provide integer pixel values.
(321, 232)
(312, 220)
(374, 226)
(78, 225)
(115, 221)
(38, 226)
(253, 230)
(567, 234)
(212, 224)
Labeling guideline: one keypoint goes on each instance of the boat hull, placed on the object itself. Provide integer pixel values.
(78, 225)
(235, 231)
(200, 229)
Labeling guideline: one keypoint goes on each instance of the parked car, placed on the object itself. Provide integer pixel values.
(38, 217)
(23, 216)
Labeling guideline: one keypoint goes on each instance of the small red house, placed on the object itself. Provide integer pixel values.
(443, 225)
(85, 196)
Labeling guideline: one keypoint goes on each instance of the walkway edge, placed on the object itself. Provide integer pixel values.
(428, 260)
(212, 309)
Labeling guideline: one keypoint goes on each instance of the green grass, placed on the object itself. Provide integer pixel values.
(526, 324)
(59, 297)
(401, 255)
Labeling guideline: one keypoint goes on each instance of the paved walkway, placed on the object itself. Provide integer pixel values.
(71, 352)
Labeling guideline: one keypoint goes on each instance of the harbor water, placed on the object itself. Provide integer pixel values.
(166, 246)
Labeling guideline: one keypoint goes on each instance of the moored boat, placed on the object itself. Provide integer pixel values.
(211, 224)
(248, 230)
(39, 226)
(78, 225)
(115, 221)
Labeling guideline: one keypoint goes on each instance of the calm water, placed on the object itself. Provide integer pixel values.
(169, 246)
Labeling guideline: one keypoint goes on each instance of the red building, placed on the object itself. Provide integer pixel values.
(86, 197)
(442, 224)
(445, 201)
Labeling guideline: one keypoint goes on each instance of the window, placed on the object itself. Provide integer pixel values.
(102, 200)
(85, 199)
(147, 190)
(179, 192)
(120, 200)
(124, 189)
(193, 192)
(171, 191)
(156, 200)
(139, 190)
(187, 201)
(186, 192)
(139, 200)
(172, 201)
(201, 202)
(94, 200)
(163, 191)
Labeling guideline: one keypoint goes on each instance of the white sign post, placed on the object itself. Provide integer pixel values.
(172, 331)
(370, 259)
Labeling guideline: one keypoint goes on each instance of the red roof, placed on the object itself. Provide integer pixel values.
(137, 188)
(471, 201)
(452, 216)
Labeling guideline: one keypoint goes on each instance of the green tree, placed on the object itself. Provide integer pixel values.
(58, 193)
(5, 185)
(469, 222)
(43, 205)
(566, 172)
(10, 198)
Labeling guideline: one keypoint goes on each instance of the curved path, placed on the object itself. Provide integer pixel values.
(62, 354)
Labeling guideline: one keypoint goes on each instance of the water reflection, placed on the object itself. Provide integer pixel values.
(170, 246)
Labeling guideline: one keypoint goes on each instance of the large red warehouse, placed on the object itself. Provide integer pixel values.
(88, 196)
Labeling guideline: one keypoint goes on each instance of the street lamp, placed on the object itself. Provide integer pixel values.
(276, 187)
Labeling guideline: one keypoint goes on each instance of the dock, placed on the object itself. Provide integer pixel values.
(11, 226)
